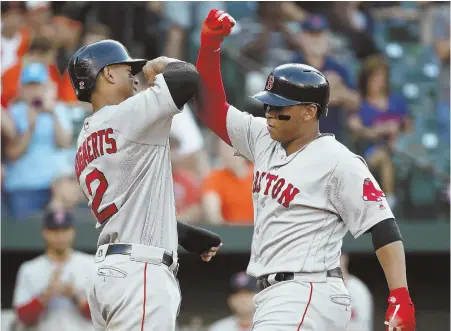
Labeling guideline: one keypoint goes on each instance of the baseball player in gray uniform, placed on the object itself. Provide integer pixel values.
(308, 191)
(123, 167)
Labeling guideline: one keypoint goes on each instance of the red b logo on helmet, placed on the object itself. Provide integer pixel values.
(371, 193)
(270, 83)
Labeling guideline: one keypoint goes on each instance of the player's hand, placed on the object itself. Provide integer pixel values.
(400, 314)
(68, 290)
(53, 289)
(208, 255)
(155, 67)
(216, 26)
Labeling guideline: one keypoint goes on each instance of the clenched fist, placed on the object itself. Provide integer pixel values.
(216, 26)
(401, 311)
(155, 67)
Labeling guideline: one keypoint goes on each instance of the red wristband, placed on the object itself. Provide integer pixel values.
(398, 295)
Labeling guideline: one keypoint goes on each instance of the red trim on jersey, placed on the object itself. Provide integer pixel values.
(29, 313)
(306, 308)
(211, 105)
(145, 295)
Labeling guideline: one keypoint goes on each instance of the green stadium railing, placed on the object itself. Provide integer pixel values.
(420, 236)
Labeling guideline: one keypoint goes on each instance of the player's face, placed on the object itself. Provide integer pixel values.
(59, 240)
(281, 130)
(241, 303)
(127, 84)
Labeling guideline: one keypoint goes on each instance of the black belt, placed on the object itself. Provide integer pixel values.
(262, 282)
(126, 249)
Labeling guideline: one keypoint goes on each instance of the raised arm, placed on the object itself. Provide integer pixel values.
(181, 78)
(211, 103)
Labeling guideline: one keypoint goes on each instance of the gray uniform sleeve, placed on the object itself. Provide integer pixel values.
(356, 196)
(146, 117)
(245, 132)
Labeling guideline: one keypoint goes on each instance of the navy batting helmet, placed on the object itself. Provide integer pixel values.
(88, 61)
(295, 84)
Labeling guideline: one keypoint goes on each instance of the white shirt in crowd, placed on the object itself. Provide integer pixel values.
(185, 129)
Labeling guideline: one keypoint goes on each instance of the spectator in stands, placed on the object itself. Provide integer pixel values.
(267, 40)
(227, 192)
(362, 301)
(8, 134)
(442, 47)
(40, 51)
(67, 40)
(50, 289)
(15, 41)
(240, 301)
(383, 115)
(186, 187)
(184, 17)
(95, 32)
(39, 18)
(66, 192)
(314, 51)
(34, 156)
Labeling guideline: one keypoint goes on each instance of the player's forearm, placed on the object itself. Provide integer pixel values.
(29, 313)
(211, 102)
(196, 240)
(392, 260)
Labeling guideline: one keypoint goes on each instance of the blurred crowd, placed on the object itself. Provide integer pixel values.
(387, 64)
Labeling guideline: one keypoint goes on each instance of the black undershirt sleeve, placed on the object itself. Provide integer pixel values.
(384, 233)
(183, 81)
(196, 240)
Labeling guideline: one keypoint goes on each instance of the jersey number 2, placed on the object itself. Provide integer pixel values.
(109, 210)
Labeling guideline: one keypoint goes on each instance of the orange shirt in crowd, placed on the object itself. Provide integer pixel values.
(24, 43)
(186, 190)
(14, 49)
(11, 84)
(235, 194)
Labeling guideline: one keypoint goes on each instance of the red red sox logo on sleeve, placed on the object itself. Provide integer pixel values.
(370, 192)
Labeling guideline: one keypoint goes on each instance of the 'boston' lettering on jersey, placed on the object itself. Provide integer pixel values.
(274, 186)
(97, 144)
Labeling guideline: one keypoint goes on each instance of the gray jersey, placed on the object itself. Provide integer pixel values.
(124, 169)
(304, 203)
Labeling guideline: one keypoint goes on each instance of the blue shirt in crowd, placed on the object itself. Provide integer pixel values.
(396, 111)
(371, 115)
(42, 160)
(333, 123)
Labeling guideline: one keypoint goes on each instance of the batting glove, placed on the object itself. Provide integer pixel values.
(216, 26)
(401, 311)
